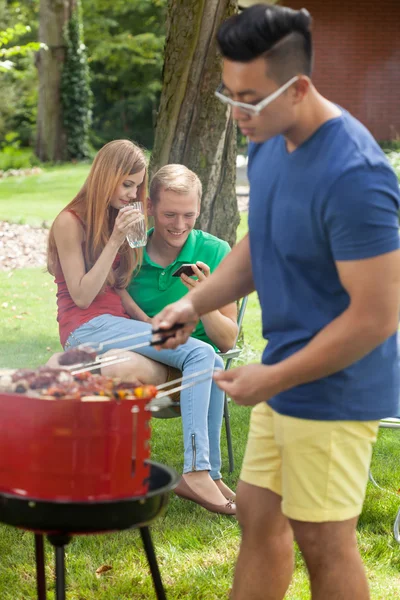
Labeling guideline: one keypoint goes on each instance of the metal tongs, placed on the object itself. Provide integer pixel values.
(113, 359)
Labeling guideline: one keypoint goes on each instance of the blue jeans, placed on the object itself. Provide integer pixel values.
(202, 405)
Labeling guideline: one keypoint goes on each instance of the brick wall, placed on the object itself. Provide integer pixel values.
(357, 58)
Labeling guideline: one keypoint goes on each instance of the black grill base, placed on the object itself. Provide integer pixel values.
(61, 520)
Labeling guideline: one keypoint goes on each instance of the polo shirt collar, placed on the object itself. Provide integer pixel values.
(186, 255)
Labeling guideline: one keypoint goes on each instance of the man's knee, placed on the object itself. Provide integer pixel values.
(202, 352)
(259, 514)
(53, 360)
(321, 542)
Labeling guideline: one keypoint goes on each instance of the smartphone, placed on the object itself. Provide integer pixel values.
(186, 269)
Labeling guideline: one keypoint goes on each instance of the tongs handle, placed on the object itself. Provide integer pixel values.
(167, 334)
(167, 330)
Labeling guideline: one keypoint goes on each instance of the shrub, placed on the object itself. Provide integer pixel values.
(76, 96)
(394, 159)
(17, 158)
(390, 145)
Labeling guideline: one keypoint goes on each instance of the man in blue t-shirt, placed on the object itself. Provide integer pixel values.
(323, 255)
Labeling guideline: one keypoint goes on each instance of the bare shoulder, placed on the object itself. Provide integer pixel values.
(66, 225)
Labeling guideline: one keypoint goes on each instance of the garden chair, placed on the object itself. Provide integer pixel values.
(390, 423)
(173, 411)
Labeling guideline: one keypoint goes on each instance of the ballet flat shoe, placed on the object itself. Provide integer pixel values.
(183, 490)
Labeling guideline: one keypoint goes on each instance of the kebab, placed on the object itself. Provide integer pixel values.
(76, 381)
(46, 382)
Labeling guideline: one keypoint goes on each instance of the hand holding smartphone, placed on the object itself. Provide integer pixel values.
(185, 269)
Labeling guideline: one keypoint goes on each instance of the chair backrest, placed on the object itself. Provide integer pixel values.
(242, 309)
(235, 351)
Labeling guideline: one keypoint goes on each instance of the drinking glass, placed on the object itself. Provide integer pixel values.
(137, 235)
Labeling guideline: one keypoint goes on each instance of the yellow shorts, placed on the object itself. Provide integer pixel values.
(320, 468)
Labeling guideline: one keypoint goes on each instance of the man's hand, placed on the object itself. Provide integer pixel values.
(249, 385)
(180, 312)
(201, 271)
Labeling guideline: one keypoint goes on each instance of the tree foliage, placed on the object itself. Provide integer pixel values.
(76, 96)
(7, 51)
(124, 44)
(18, 94)
(125, 41)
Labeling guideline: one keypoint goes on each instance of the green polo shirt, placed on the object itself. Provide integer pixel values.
(153, 287)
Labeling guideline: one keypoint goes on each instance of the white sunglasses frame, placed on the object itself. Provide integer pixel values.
(255, 109)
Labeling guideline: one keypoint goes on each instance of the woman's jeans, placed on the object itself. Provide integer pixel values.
(201, 405)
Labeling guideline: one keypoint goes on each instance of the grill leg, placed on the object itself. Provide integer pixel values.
(60, 573)
(40, 572)
(59, 542)
(152, 560)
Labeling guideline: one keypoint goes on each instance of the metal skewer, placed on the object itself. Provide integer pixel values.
(197, 374)
(195, 380)
(106, 360)
(163, 399)
(157, 404)
(114, 358)
(179, 388)
(105, 363)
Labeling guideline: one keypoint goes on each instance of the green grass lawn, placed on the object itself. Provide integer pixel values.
(196, 550)
(39, 198)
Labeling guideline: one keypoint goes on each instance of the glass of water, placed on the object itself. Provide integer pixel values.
(137, 235)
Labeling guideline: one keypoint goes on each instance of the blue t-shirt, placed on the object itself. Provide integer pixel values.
(334, 198)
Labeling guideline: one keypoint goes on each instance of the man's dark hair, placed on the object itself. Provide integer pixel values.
(280, 34)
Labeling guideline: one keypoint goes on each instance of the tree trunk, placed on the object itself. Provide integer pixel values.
(51, 140)
(193, 127)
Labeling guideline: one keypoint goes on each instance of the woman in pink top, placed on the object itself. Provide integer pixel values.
(88, 253)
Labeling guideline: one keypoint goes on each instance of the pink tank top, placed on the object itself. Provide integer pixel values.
(70, 316)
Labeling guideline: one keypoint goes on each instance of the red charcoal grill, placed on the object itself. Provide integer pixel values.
(71, 467)
(78, 467)
(74, 451)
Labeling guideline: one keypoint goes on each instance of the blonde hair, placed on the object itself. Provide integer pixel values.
(176, 178)
(112, 164)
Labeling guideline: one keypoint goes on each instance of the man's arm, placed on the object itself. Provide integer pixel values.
(232, 280)
(372, 316)
(220, 325)
(133, 310)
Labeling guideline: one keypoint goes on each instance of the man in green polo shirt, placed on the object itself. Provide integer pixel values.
(174, 203)
(155, 286)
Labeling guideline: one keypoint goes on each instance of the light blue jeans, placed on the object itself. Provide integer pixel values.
(202, 405)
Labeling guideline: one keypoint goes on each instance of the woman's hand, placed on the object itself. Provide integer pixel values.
(201, 271)
(126, 217)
